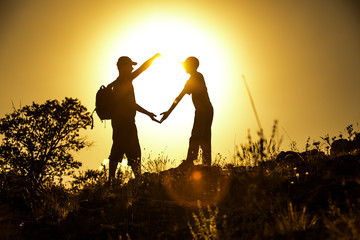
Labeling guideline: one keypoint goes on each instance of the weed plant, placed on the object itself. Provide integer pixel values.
(157, 165)
(204, 223)
(260, 150)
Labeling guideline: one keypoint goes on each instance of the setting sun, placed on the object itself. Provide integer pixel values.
(175, 38)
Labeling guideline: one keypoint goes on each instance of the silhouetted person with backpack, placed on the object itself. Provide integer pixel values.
(204, 112)
(125, 137)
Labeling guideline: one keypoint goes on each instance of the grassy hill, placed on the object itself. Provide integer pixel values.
(287, 195)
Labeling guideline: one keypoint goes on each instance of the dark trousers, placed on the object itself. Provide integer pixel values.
(125, 141)
(201, 136)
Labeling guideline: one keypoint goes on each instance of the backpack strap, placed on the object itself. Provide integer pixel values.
(92, 118)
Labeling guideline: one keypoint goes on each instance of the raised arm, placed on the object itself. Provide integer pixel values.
(144, 66)
(175, 103)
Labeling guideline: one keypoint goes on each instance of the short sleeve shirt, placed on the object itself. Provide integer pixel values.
(197, 88)
(125, 102)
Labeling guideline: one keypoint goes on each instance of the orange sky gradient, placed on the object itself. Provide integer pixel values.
(301, 60)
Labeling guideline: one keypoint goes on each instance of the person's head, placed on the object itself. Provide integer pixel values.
(125, 65)
(191, 64)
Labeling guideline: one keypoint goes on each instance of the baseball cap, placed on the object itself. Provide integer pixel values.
(125, 60)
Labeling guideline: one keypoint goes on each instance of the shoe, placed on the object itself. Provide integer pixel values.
(186, 164)
(108, 184)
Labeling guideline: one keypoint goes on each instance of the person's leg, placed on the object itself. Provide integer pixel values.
(135, 165)
(117, 152)
(206, 153)
(193, 150)
(194, 143)
(112, 168)
(133, 153)
(206, 138)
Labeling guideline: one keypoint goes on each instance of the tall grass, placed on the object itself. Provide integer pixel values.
(292, 220)
(256, 151)
(158, 164)
(204, 223)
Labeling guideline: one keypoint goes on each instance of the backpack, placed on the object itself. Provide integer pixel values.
(104, 103)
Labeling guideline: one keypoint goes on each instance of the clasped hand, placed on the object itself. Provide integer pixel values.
(165, 116)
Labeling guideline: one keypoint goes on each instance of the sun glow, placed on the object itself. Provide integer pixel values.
(157, 88)
(175, 40)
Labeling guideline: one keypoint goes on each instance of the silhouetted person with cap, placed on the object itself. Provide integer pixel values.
(204, 112)
(125, 137)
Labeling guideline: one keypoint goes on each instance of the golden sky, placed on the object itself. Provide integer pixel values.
(301, 60)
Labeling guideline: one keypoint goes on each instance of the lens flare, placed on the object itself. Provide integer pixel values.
(198, 184)
(196, 175)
